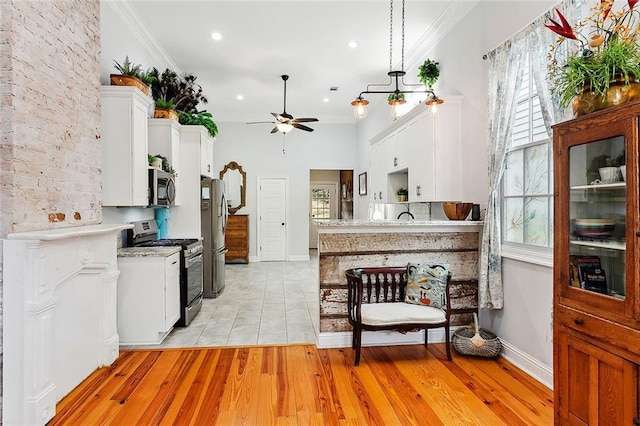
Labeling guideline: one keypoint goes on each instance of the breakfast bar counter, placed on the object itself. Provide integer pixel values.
(346, 244)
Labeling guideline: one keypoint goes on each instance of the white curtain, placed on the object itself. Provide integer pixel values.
(505, 77)
(504, 80)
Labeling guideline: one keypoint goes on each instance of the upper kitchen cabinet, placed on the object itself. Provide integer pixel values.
(206, 156)
(420, 152)
(377, 185)
(398, 150)
(435, 144)
(124, 146)
(164, 140)
(196, 147)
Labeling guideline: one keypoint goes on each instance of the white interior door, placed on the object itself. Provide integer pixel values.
(273, 224)
(323, 199)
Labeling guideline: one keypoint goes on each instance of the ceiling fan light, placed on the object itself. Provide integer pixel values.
(284, 127)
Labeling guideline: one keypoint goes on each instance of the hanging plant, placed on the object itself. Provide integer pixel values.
(428, 73)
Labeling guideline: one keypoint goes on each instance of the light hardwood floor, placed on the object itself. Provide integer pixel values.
(303, 385)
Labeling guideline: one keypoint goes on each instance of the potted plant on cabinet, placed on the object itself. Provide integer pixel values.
(130, 74)
(183, 94)
(428, 73)
(402, 194)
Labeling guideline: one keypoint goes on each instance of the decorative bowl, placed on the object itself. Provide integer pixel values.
(598, 229)
(457, 211)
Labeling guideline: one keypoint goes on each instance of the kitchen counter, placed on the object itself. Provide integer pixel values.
(162, 251)
(340, 226)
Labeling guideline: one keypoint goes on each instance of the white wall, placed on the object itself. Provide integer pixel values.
(524, 324)
(330, 146)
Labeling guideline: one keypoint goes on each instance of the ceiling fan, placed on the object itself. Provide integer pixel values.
(284, 121)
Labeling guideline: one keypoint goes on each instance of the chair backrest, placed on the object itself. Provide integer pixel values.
(376, 285)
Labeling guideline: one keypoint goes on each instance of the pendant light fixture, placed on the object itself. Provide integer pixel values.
(396, 87)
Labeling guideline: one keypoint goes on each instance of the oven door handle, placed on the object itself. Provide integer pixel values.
(194, 260)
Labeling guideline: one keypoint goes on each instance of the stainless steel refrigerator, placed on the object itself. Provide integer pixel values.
(213, 208)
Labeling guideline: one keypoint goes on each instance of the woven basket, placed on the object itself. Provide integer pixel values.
(462, 343)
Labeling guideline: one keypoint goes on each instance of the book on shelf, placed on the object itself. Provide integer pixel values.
(586, 272)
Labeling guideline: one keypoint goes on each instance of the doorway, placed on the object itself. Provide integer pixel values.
(272, 223)
(323, 205)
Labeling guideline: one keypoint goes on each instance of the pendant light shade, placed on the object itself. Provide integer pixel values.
(360, 107)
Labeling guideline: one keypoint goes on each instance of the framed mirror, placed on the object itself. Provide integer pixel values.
(235, 186)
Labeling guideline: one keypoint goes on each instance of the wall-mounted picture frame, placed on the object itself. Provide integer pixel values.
(363, 183)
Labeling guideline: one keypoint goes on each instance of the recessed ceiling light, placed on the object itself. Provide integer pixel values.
(239, 97)
(352, 44)
(216, 36)
(325, 100)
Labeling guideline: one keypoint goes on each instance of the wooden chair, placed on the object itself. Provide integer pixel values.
(376, 302)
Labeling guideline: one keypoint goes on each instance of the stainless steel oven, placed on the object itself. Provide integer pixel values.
(144, 234)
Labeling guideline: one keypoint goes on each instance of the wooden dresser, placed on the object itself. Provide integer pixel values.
(237, 238)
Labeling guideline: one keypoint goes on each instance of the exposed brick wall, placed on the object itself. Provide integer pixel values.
(51, 114)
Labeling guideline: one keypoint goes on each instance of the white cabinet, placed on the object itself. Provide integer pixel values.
(196, 148)
(148, 297)
(206, 157)
(124, 146)
(377, 185)
(421, 152)
(164, 139)
(398, 150)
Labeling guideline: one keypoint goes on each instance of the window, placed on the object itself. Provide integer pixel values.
(320, 203)
(527, 185)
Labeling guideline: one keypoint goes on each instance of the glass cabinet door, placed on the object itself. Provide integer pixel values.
(597, 217)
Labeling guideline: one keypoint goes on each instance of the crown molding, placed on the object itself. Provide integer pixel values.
(131, 18)
(443, 26)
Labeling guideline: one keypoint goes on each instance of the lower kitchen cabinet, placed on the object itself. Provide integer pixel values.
(597, 387)
(237, 238)
(148, 296)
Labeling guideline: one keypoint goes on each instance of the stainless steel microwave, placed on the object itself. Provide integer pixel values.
(162, 188)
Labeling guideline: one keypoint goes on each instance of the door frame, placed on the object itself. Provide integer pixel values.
(259, 215)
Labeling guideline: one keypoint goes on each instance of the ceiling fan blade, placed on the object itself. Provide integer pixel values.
(302, 127)
(274, 130)
(287, 116)
(305, 120)
(282, 117)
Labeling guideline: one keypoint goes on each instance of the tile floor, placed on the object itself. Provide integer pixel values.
(262, 303)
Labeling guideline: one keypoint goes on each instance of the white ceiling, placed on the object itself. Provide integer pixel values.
(305, 39)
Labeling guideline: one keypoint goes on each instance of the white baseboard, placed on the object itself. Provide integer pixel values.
(536, 369)
(528, 364)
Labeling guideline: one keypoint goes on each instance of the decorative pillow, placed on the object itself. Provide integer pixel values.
(426, 284)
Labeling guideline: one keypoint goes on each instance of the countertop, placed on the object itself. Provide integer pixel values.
(386, 226)
(162, 251)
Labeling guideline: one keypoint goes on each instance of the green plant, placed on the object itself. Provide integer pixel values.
(164, 103)
(151, 158)
(128, 67)
(165, 165)
(402, 191)
(395, 97)
(203, 118)
(428, 73)
(146, 77)
(182, 90)
(609, 49)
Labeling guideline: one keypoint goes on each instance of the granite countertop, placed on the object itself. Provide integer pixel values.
(162, 251)
(393, 222)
